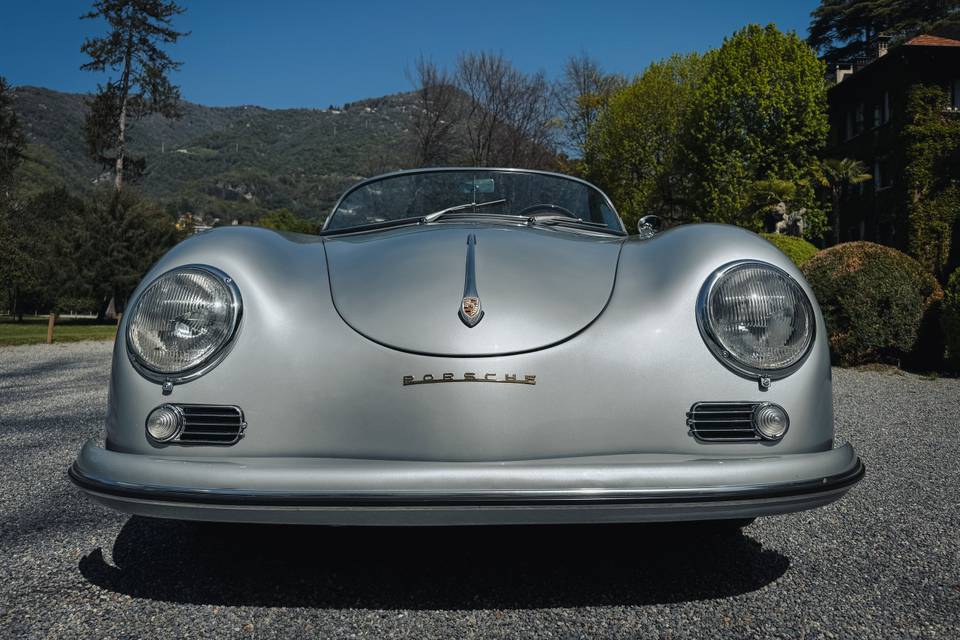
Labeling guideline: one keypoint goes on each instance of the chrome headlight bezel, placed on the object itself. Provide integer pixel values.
(212, 359)
(715, 344)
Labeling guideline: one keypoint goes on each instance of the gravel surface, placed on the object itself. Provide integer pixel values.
(882, 562)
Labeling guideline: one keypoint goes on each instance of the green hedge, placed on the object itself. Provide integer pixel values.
(877, 303)
(950, 320)
(797, 249)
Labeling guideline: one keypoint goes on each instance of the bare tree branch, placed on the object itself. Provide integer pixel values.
(508, 119)
(437, 115)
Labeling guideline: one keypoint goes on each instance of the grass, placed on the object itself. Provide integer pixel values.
(880, 367)
(33, 330)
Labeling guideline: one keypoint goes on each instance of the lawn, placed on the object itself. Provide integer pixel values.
(33, 330)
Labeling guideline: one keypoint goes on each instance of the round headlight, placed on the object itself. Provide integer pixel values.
(183, 321)
(756, 319)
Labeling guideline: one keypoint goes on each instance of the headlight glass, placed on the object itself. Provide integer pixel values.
(758, 316)
(183, 319)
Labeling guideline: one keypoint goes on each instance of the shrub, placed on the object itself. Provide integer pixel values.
(875, 301)
(796, 248)
(950, 320)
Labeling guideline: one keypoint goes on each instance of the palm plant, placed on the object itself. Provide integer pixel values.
(837, 175)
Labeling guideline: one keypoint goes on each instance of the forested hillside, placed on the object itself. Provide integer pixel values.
(226, 162)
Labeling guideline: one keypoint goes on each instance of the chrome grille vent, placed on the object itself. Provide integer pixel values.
(723, 421)
(210, 424)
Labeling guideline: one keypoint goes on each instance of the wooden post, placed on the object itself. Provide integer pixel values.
(52, 320)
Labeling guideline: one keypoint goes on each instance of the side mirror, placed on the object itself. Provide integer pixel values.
(649, 226)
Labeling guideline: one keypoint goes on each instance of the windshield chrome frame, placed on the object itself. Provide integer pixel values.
(395, 174)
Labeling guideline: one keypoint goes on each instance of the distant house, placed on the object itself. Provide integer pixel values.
(192, 223)
(866, 107)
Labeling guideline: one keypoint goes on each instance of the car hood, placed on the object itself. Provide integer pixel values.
(403, 287)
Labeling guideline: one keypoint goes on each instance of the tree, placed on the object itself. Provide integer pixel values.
(843, 30)
(14, 263)
(838, 176)
(508, 118)
(132, 48)
(286, 220)
(631, 149)
(438, 113)
(581, 95)
(13, 268)
(11, 136)
(127, 234)
(42, 241)
(931, 188)
(759, 113)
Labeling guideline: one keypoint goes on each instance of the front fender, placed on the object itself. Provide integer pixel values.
(310, 386)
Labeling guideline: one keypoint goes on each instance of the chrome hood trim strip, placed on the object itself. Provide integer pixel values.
(471, 309)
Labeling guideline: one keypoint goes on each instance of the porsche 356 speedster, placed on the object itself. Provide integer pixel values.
(470, 346)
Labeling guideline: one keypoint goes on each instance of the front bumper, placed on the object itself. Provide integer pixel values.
(614, 488)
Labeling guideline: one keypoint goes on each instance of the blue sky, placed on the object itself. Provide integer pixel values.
(298, 53)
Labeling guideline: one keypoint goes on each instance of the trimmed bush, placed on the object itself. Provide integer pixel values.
(797, 249)
(876, 302)
(950, 320)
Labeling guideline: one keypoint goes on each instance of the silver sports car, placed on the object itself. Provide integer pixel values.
(470, 346)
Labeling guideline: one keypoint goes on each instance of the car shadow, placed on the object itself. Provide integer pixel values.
(509, 567)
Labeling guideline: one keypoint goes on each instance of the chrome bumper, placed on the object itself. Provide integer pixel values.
(615, 488)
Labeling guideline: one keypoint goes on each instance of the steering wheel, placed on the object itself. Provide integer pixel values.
(543, 206)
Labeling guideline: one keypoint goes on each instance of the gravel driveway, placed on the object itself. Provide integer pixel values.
(883, 562)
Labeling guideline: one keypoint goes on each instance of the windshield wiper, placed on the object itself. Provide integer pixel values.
(550, 219)
(554, 219)
(400, 222)
(436, 215)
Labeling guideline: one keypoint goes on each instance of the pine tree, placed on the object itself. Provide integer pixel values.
(132, 49)
(843, 30)
(11, 136)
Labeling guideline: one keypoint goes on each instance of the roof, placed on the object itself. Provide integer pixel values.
(925, 40)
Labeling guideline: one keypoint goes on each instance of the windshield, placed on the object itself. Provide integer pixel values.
(471, 192)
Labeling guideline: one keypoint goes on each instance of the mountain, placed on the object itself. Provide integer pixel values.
(227, 162)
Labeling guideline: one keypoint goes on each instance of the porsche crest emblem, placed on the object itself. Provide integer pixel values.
(471, 312)
(470, 307)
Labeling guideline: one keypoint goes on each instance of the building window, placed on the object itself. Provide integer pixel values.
(858, 125)
(849, 128)
(877, 115)
(882, 178)
(886, 106)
